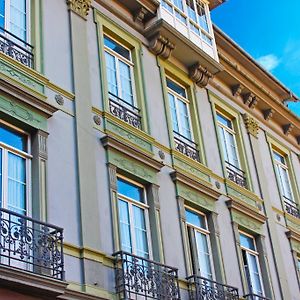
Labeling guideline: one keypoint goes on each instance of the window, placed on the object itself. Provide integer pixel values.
(133, 218)
(14, 17)
(199, 244)
(179, 109)
(282, 173)
(251, 264)
(230, 150)
(14, 169)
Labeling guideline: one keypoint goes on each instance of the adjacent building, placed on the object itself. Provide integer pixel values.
(143, 154)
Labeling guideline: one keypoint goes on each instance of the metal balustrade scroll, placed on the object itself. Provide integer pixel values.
(201, 288)
(292, 209)
(138, 276)
(255, 297)
(236, 175)
(16, 48)
(31, 245)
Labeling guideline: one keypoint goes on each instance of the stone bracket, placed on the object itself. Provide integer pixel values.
(200, 75)
(161, 46)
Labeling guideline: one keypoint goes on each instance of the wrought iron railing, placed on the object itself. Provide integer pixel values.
(201, 288)
(16, 48)
(255, 297)
(138, 276)
(236, 175)
(292, 208)
(124, 111)
(186, 146)
(31, 245)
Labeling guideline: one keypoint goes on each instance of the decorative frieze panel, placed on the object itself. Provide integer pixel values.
(80, 7)
(200, 75)
(161, 46)
(251, 125)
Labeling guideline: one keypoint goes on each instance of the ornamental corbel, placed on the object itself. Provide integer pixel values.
(161, 46)
(140, 14)
(237, 90)
(253, 102)
(287, 128)
(80, 7)
(199, 75)
(268, 113)
(251, 125)
(248, 98)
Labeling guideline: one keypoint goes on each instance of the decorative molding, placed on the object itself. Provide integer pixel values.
(268, 113)
(80, 7)
(237, 90)
(200, 75)
(59, 99)
(97, 120)
(251, 125)
(161, 46)
(287, 128)
(42, 144)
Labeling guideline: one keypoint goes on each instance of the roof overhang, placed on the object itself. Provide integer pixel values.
(215, 3)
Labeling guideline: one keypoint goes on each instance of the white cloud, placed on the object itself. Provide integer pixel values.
(269, 62)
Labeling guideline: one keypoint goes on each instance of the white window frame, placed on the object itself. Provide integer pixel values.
(27, 156)
(206, 232)
(283, 166)
(178, 97)
(256, 254)
(188, 21)
(145, 208)
(7, 18)
(226, 141)
(130, 63)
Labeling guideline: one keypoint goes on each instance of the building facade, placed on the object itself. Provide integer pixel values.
(143, 154)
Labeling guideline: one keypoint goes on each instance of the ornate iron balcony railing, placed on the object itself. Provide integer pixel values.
(186, 146)
(137, 276)
(255, 297)
(292, 209)
(201, 288)
(124, 111)
(31, 245)
(16, 48)
(236, 175)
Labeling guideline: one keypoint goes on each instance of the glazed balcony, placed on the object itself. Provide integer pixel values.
(201, 288)
(16, 48)
(31, 245)
(236, 175)
(255, 297)
(186, 146)
(137, 276)
(291, 208)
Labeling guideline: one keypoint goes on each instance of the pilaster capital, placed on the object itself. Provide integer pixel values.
(251, 125)
(80, 7)
(200, 75)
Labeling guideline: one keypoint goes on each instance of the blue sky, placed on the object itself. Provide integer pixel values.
(269, 30)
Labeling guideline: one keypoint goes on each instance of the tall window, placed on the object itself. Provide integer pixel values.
(200, 244)
(14, 17)
(14, 168)
(282, 173)
(119, 69)
(251, 264)
(179, 106)
(133, 218)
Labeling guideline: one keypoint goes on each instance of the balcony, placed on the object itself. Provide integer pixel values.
(204, 289)
(124, 111)
(16, 48)
(236, 175)
(186, 146)
(291, 208)
(138, 276)
(255, 297)
(30, 245)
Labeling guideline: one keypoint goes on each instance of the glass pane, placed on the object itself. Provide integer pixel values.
(247, 242)
(176, 88)
(223, 143)
(126, 244)
(1, 171)
(224, 121)
(167, 6)
(126, 84)
(286, 187)
(173, 112)
(130, 190)
(278, 157)
(18, 18)
(2, 13)
(179, 4)
(16, 183)
(140, 232)
(195, 219)
(191, 10)
(185, 128)
(111, 73)
(109, 43)
(203, 255)
(202, 16)
(231, 149)
(254, 274)
(12, 138)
